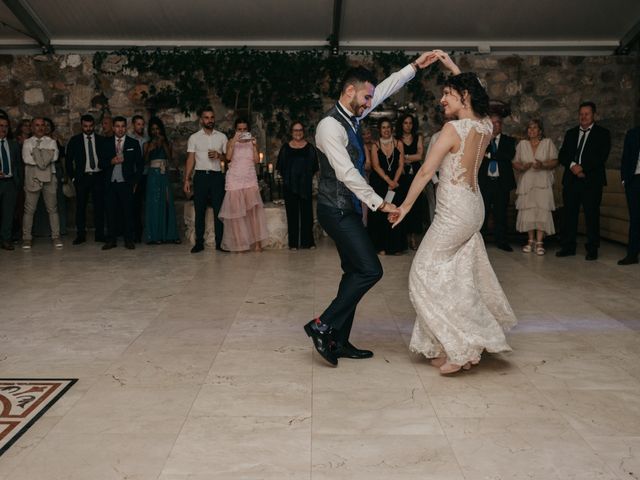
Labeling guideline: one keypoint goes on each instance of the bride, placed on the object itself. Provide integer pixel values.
(460, 305)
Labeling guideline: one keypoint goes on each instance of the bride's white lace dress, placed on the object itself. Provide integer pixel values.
(460, 305)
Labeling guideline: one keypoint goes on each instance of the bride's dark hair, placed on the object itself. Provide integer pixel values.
(469, 81)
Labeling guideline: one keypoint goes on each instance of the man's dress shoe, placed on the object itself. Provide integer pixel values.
(322, 337)
(349, 351)
(628, 260)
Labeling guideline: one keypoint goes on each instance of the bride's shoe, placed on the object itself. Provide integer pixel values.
(450, 368)
(438, 361)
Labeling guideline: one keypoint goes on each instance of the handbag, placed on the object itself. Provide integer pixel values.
(68, 189)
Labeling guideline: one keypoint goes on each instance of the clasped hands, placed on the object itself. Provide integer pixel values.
(577, 171)
(394, 214)
(427, 58)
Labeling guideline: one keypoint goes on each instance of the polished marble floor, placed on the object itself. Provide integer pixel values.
(196, 367)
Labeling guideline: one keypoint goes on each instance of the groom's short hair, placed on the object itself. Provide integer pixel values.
(357, 75)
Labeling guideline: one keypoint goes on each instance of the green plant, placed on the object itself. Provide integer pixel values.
(280, 85)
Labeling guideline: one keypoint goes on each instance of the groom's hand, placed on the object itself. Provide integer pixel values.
(396, 216)
(426, 59)
(387, 207)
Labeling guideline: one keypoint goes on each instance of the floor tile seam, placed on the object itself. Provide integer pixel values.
(195, 397)
(424, 388)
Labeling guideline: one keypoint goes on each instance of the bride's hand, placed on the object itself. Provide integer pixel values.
(426, 59)
(447, 62)
(396, 216)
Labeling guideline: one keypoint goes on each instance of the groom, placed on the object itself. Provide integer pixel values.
(341, 189)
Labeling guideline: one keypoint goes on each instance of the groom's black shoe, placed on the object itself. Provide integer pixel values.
(349, 351)
(322, 336)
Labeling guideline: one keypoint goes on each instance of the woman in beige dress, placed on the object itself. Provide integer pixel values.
(536, 158)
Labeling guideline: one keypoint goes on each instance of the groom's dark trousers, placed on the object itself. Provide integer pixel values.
(360, 265)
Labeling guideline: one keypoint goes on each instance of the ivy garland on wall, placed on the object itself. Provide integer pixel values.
(281, 85)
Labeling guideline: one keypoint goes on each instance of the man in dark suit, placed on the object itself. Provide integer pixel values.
(630, 173)
(9, 182)
(496, 180)
(84, 170)
(584, 152)
(122, 165)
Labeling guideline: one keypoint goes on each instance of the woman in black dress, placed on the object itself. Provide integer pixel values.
(412, 141)
(387, 163)
(298, 163)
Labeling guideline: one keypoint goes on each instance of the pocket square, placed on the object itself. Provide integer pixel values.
(129, 150)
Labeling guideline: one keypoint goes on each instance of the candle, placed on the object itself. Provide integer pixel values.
(271, 168)
(261, 157)
(222, 166)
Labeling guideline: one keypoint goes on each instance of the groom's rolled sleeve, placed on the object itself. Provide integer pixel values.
(389, 86)
(332, 140)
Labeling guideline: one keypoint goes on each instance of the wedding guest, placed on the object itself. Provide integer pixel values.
(496, 180)
(39, 154)
(242, 211)
(160, 213)
(583, 154)
(297, 164)
(536, 158)
(121, 160)
(9, 182)
(138, 134)
(84, 170)
(387, 160)
(630, 173)
(107, 126)
(206, 153)
(413, 144)
(23, 130)
(40, 220)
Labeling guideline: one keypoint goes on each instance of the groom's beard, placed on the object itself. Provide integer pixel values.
(356, 107)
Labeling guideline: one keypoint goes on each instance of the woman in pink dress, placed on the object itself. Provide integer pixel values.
(242, 211)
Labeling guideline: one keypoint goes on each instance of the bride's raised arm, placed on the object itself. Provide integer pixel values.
(446, 61)
(447, 140)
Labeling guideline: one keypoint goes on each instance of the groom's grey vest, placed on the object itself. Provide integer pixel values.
(332, 191)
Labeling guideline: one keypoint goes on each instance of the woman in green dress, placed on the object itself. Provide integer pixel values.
(160, 212)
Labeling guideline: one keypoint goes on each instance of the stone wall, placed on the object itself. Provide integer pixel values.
(63, 87)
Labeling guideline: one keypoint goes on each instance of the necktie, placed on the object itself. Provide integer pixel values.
(493, 164)
(578, 160)
(5, 160)
(92, 159)
(119, 147)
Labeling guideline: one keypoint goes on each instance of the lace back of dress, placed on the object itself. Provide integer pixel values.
(473, 146)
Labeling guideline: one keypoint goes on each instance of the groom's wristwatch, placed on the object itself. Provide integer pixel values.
(382, 205)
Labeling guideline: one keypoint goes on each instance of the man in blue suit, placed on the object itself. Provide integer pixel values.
(630, 173)
(122, 163)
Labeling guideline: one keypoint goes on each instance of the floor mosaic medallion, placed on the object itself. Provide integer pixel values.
(23, 401)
